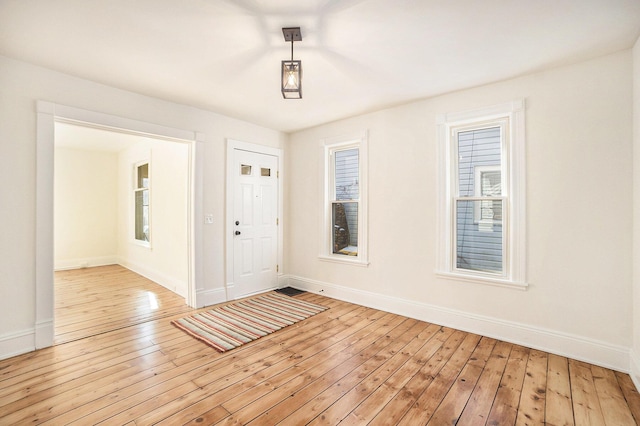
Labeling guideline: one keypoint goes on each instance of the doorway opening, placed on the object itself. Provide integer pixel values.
(120, 252)
(48, 114)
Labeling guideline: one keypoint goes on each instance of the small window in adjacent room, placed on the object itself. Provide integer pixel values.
(344, 228)
(481, 206)
(141, 201)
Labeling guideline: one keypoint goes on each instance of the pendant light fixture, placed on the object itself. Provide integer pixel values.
(292, 70)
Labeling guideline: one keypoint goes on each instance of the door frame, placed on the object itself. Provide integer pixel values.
(48, 114)
(232, 145)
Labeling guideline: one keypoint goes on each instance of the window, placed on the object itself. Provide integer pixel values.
(344, 227)
(481, 221)
(141, 197)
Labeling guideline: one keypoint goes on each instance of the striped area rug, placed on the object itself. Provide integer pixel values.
(235, 324)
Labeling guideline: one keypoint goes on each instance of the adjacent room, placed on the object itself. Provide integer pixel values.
(320, 212)
(107, 273)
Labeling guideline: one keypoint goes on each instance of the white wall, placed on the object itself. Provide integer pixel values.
(579, 191)
(165, 261)
(21, 86)
(85, 208)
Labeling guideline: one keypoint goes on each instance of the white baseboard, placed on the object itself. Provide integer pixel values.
(17, 343)
(283, 281)
(210, 297)
(635, 368)
(44, 333)
(564, 344)
(167, 282)
(85, 262)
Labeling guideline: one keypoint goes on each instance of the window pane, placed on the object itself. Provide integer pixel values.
(490, 183)
(142, 215)
(143, 176)
(345, 228)
(479, 149)
(490, 210)
(265, 172)
(347, 174)
(245, 169)
(478, 244)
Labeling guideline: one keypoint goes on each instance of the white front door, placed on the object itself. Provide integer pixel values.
(255, 222)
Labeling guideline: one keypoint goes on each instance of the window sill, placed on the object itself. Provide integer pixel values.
(497, 282)
(347, 260)
(144, 244)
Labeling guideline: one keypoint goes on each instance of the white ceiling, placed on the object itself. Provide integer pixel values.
(357, 55)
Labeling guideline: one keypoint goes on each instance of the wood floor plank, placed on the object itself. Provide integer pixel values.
(615, 409)
(505, 406)
(209, 417)
(558, 409)
(137, 394)
(359, 386)
(52, 402)
(377, 399)
(32, 389)
(423, 408)
(349, 365)
(444, 345)
(85, 360)
(476, 411)
(376, 342)
(586, 406)
(630, 393)
(531, 410)
(451, 407)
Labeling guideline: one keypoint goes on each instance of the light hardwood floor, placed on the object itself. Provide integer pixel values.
(349, 364)
(95, 300)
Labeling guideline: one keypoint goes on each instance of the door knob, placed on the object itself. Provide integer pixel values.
(237, 222)
(238, 232)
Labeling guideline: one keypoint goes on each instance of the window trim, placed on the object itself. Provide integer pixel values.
(328, 147)
(136, 189)
(514, 212)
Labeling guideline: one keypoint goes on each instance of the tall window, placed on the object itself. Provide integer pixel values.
(478, 198)
(481, 207)
(141, 197)
(344, 228)
(344, 201)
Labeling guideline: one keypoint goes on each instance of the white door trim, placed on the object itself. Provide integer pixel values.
(47, 115)
(229, 227)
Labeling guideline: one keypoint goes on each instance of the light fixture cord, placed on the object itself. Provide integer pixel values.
(292, 48)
